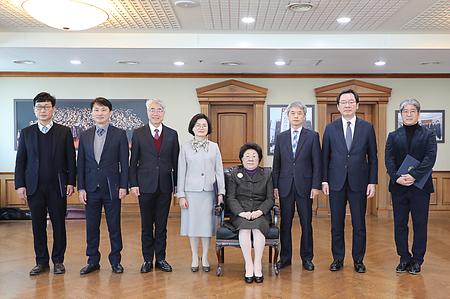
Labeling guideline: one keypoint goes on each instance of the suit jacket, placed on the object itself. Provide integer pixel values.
(27, 159)
(304, 170)
(148, 168)
(423, 148)
(198, 171)
(359, 165)
(111, 173)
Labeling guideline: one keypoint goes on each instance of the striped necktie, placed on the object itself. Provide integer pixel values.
(294, 143)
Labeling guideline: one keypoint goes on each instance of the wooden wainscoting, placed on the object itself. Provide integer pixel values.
(9, 198)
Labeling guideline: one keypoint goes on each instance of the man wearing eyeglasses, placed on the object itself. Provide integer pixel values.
(411, 188)
(350, 173)
(44, 176)
(153, 178)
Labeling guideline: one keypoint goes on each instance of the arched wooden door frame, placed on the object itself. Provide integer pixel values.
(377, 97)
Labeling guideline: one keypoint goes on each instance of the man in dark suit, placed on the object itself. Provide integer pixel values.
(407, 197)
(102, 181)
(350, 172)
(297, 180)
(153, 178)
(45, 175)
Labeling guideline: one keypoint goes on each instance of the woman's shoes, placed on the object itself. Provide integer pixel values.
(248, 279)
(259, 279)
(194, 269)
(206, 268)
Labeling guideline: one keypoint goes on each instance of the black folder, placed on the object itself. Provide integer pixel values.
(410, 163)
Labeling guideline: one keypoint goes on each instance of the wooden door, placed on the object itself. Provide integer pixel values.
(232, 127)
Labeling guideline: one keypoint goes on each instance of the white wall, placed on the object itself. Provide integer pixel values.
(180, 97)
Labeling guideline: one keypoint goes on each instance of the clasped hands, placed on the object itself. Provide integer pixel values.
(251, 215)
(406, 180)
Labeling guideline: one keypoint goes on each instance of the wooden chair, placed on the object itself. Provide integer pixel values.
(227, 236)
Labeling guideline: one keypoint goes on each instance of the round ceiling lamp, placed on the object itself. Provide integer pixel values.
(69, 15)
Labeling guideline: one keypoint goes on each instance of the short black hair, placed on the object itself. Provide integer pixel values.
(253, 146)
(44, 97)
(194, 121)
(102, 102)
(347, 91)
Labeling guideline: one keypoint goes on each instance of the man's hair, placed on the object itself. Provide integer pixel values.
(102, 102)
(44, 97)
(355, 94)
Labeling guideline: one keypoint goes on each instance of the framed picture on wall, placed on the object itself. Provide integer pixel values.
(76, 114)
(277, 122)
(431, 119)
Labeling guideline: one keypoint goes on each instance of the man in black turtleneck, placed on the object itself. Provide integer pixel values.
(408, 195)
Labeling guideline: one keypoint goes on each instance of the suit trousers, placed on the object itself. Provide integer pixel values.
(154, 213)
(47, 198)
(304, 210)
(416, 202)
(338, 204)
(95, 202)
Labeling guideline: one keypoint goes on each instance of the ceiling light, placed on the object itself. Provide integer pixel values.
(380, 63)
(186, 3)
(65, 14)
(299, 6)
(430, 62)
(129, 62)
(280, 62)
(230, 63)
(248, 20)
(343, 20)
(178, 63)
(24, 61)
(75, 61)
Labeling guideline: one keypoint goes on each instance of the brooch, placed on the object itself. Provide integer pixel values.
(240, 175)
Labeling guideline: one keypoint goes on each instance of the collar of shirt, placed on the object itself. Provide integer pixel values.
(352, 125)
(102, 127)
(152, 129)
(49, 126)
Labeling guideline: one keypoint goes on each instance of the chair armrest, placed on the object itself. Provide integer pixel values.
(276, 214)
(219, 211)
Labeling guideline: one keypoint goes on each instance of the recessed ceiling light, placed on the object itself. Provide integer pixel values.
(380, 63)
(430, 62)
(343, 20)
(299, 6)
(280, 62)
(248, 20)
(186, 3)
(24, 61)
(129, 62)
(75, 61)
(230, 63)
(178, 63)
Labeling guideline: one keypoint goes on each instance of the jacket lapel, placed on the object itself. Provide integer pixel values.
(148, 136)
(35, 141)
(356, 133)
(56, 137)
(107, 142)
(90, 135)
(165, 140)
(340, 133)
(301, 141)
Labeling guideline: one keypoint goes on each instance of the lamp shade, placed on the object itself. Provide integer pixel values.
(65, 14)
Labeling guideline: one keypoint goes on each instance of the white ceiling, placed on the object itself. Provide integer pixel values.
(404, 33)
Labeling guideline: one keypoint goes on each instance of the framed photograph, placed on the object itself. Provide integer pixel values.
(76, 114)
(277, 122)
(431, 119)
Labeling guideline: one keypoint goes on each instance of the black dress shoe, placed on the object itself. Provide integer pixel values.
(194, 269)
(336, 265)
(59, 268)
(259, 279)
(163, 266)
(282, 265)
(206, 268)
(308, 265)
(359, 267)
(117, 268)
(249, 279)
(38, 269)
(402, 267)
(414, 268)
(146, 267)
(89, 268)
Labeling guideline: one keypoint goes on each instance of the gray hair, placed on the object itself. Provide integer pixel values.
(157, 101)
(413, 102)
(296, 104)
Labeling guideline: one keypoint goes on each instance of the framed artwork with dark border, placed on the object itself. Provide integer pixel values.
(76, 114)
(277, 122)
(431, 119)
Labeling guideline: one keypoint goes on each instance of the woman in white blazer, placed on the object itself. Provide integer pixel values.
(199, 167)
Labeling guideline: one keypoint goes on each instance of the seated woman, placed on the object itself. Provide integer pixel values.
(250, 198)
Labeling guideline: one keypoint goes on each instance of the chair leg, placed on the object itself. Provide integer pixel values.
(219, 251)
(275, 258)
(270, 254)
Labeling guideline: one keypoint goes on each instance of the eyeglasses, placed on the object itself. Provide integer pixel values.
(156, 110)
(345, 103)
(409, 112)
(43, 107)
(204, 126)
